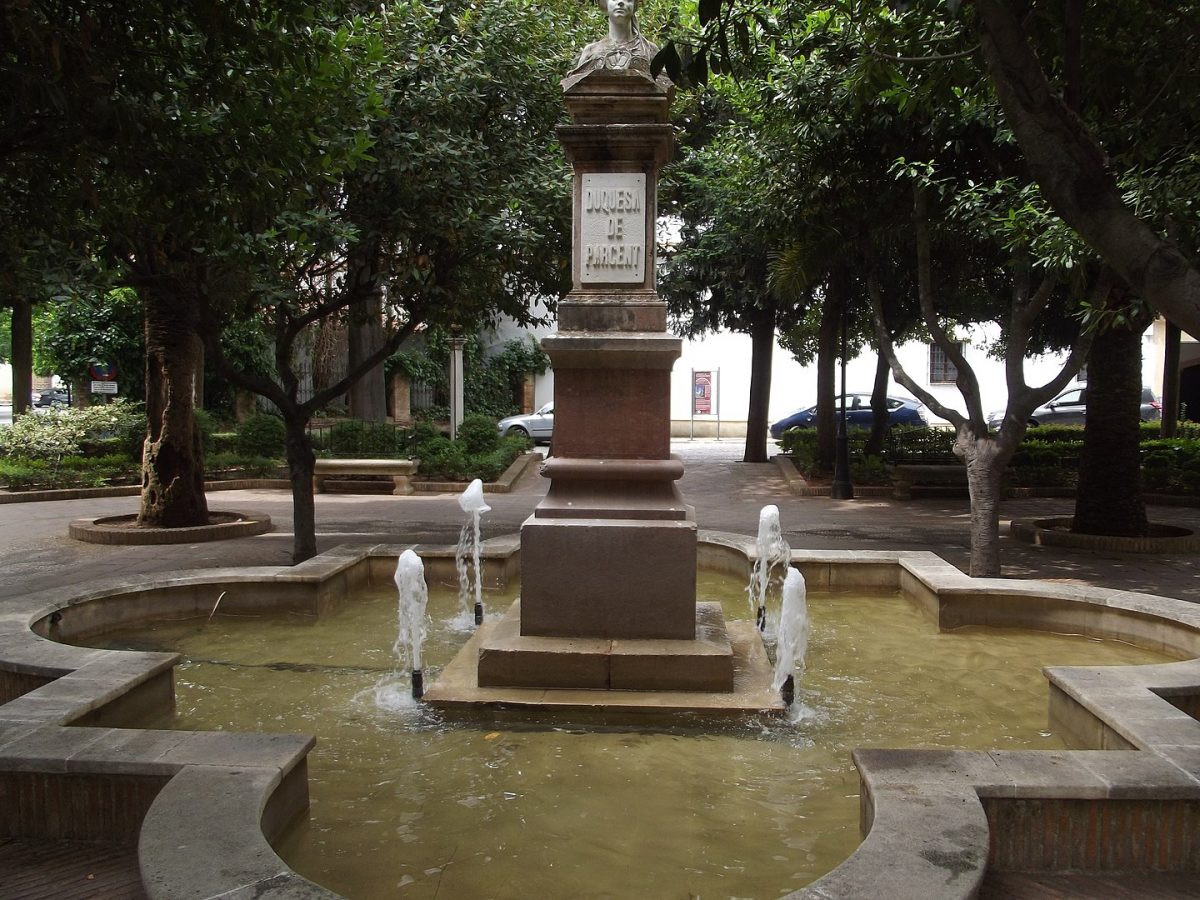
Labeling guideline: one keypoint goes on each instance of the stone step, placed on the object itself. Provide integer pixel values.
(508, 658)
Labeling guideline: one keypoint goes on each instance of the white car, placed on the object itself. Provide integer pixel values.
(1070, 408)
(539, 426)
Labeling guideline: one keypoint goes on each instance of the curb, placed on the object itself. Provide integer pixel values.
(502, 485)
(133, 490)
(115, 530)
(1049, 533)
(801, 488)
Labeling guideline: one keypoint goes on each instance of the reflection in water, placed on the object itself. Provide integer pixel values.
(517, 807)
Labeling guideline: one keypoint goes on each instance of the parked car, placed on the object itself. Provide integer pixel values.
(901, 411)
(537, 425)
(1070, 408)
(56, 397)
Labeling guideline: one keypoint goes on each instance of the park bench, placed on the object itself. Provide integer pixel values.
(400, 471)
(948, 478)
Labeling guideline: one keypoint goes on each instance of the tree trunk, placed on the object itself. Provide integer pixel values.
(1109, 497)
(880, 419)
(762, 340)
(172, 457)
(827, 358)
(986, 459)
(22, 355)
(364, 336)
(81, 392)
(1170, 385)
(301, 463)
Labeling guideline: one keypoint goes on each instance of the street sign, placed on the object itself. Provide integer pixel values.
(104, 387)
(702, 393)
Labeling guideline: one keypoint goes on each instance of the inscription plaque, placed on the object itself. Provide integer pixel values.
(612, 229)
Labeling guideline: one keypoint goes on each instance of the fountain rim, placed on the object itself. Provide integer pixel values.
(918, 806)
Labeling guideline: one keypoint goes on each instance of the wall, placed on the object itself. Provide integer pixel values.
(794, 386)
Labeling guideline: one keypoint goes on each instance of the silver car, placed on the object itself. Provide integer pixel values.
(539, 426)
(1070, 408)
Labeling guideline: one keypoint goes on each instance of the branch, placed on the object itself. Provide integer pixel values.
(1074, 175)
(933, 57)
(257, 384)
(386, 349)
(884, 338)
(967, 383)
(1023, 312)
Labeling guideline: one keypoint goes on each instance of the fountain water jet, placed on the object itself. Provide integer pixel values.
(471, 502)
(413, 599)
(794, 627)
(771, 552)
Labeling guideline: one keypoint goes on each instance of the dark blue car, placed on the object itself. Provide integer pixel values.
(901, 411)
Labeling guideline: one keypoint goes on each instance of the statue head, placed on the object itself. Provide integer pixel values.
(621, 14)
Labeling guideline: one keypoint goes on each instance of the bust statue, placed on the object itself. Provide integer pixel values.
(622, 48)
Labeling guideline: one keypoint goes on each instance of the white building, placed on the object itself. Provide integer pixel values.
(727, 356)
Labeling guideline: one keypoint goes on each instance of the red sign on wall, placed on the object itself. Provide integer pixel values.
(702, 393)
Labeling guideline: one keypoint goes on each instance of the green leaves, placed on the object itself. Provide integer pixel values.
(708, 10)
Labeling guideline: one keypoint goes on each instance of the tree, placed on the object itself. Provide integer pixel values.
(77, 330)
(1108, 497)
(459, 213)
(1072, 169)
(1151, 70)
(180, 131)
(984, 452)
(716, 275)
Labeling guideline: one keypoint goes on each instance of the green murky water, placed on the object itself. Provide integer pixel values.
(405, 805)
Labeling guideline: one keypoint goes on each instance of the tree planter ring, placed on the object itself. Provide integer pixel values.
(1056, 533)
(123, 530)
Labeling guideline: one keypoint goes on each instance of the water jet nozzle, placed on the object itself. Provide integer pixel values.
(762, 618)
(418, 684)
(788, 691)
(478, 613)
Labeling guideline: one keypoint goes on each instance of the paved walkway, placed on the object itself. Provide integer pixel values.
(36, 553)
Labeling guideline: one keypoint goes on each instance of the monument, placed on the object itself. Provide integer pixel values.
(608, 558)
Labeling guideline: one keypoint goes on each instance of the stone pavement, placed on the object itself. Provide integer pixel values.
(36, 553)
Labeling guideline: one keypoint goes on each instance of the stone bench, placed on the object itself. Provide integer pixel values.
(400, 471)
(944, 478)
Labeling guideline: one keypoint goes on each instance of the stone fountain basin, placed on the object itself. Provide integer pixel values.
(934, 821)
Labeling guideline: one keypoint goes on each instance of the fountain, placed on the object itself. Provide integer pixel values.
(411, 625)
(608, 620)
(521, 781)
(472, 503)
(608, 608)
(792, 643)
(772, 557)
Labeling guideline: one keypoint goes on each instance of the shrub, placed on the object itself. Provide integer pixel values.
(71, 471)
(63, 432)
(207, 427)
(425, 439)
(1036, 455)
(912, 443)
(248, 466)
(262, 435)
(353, 437)
(446, 460)
(478, 434)
(870, 470)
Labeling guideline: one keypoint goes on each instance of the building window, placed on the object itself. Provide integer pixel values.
(941, 369)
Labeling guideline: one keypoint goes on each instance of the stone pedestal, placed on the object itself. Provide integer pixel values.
(608, 558)
(610, 554)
